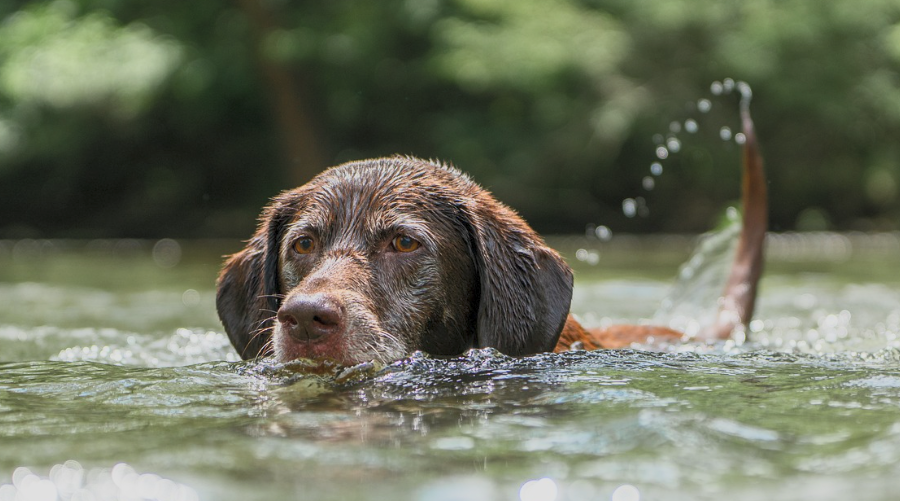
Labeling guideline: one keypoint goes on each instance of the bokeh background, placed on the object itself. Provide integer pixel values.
(174, 118)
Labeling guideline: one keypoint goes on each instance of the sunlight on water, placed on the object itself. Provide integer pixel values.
(114, 346)
(626, 493)
(71, 482)
(184, 347)
(807, 408)
(544, 489)
(810, 312)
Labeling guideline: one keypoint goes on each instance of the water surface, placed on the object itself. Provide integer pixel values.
(117, 382)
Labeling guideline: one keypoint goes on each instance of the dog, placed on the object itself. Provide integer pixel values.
(376, 259)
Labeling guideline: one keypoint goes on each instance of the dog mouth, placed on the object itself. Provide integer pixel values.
(337, 326)
(348, 348)
(288, 348)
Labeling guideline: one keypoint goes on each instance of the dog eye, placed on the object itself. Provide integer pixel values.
(403, 243)
(304, 245)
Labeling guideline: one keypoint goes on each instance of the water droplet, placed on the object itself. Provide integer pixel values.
(662, 153)
(725, 133)
(603, 233)
(744, 89)
(675, 127)
(642, 209)
(690, 125)
(656, 168)
(728, 85)
(629, 207)
(740, 138)
(190, 297)
(658, 138)
(716, 88)
(589, 257)
(673, 144)
(704, 105)
(648, 183)
(166, 253)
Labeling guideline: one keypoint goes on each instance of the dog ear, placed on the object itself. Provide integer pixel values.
(241, 299)
(526, 287)
(248, 289)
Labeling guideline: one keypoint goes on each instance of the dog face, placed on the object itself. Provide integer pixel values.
(376, 259)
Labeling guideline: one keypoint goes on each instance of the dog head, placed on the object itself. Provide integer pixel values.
(373, 260)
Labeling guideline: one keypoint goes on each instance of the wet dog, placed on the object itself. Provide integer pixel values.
(376, 259)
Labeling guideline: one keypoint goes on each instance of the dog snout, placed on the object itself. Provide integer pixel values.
(310, 317)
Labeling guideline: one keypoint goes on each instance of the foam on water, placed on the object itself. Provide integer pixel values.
(114, 346)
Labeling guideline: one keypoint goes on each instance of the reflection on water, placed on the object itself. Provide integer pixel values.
(113, 361)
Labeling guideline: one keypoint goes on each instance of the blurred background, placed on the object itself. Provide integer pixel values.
(177, 118)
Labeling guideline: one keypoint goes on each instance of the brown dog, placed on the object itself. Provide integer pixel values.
(373, 260)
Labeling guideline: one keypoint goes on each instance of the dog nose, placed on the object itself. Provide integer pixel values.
(308, 317)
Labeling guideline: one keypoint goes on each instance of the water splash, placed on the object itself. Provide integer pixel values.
(670, 144)
(691, 304)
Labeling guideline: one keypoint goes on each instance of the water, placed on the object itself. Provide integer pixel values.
(670, 144)
(116, 382)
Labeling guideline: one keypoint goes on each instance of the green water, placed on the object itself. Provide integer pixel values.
(117, 382)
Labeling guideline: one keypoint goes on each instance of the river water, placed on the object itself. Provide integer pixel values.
(117, 382)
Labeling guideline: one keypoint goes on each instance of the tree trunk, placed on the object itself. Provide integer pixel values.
(301, 145)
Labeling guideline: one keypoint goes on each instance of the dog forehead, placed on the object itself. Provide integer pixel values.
(391, 185)
(376, 195)
(392, 175)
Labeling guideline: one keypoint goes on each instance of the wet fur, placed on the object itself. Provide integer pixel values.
(481, 278)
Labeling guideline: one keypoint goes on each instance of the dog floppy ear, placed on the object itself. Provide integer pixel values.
(525, 286)
(248, 289)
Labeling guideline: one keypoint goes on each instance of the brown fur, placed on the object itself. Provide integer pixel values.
(480, 276)
(574, 336)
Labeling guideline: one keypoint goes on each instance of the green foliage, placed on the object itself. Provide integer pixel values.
(152, 118)
(50, 58)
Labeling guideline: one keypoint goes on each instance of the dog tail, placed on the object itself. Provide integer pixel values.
(738, 299)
